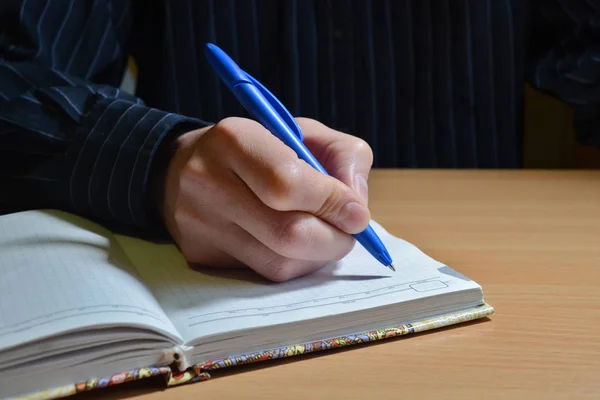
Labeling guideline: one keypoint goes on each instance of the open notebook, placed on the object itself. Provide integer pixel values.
(81, 308)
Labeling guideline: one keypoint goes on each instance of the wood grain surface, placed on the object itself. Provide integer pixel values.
(531, 238)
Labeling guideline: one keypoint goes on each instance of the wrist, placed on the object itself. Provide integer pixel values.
(158, 176)
(175, 142)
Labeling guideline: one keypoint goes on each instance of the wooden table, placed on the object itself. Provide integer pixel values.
(531, 238)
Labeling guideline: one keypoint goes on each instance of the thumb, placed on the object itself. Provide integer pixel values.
(299, 187)
(346, 157)
(332, 201)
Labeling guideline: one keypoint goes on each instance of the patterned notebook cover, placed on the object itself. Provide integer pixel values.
(201, 372)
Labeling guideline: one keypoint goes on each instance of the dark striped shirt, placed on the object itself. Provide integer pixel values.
(427, 83)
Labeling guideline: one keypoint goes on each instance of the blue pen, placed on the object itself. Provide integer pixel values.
(269, 112)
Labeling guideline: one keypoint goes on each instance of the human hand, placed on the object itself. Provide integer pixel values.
(236, 195)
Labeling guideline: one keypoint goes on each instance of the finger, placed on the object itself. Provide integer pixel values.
(346, 157)
(263, 260)
(292, 234)
(237, 244)
(196, 242)
(283, 182)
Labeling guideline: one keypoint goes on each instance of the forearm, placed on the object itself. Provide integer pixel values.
(67, 142)
(84, 149)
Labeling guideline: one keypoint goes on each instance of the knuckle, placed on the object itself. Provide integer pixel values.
(337, 196)
(227, 133)
(279, 269)
(228, 124)
(362, 148)
(305, 122)
(292, 236)
(283, 186)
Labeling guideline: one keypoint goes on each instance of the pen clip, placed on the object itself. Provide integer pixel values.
(283, 112)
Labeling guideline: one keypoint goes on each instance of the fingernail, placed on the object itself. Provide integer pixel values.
(351, 218)
(362, 187)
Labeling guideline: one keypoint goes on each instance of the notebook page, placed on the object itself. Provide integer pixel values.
(60, 273)
(207, 302)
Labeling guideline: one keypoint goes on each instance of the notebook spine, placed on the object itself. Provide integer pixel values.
(181, 357)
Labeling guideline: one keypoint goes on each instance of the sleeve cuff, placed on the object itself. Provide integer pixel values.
(117, 142)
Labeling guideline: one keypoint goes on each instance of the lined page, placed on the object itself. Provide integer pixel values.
(207, 302)
(60, 273)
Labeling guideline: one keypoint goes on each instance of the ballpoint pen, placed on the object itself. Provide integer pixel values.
(270, 113)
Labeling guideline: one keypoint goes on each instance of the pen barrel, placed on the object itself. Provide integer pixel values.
(371, 242)
(256, 104)
(267, 112)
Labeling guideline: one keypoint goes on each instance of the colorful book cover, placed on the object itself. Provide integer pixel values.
(202, 372)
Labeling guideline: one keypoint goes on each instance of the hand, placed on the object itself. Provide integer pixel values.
(236, 195)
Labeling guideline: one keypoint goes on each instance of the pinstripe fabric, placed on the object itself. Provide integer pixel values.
(69, 139)
(428, 83)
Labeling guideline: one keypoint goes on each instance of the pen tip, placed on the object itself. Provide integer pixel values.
(391, 266)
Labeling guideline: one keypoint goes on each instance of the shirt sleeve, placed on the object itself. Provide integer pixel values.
(565, 54)
(67, 140)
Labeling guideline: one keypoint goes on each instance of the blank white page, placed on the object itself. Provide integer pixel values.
(60, 273)
(207, 302)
